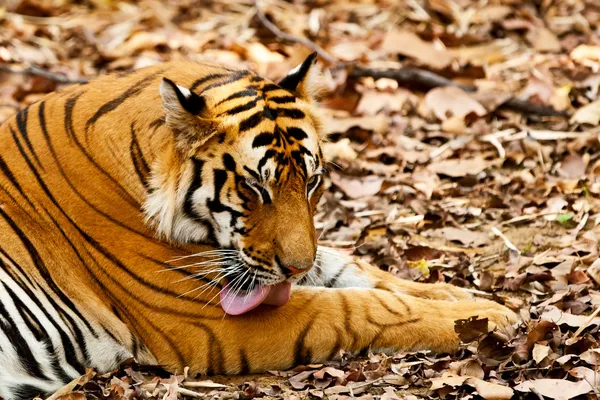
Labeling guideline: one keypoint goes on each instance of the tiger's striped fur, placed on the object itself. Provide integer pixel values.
(102, 184)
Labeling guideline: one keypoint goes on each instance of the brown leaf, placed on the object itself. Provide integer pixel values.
(487, 390)
(543, 40)
(450, 101)
(559, 317)
(372, 102)
(356, 188)
(464, 236)
(459, 167)
(471, 329)
(584, 53)
(555, 388)
(588, 114)
(572, 167)
(540, 352)
(409, 44)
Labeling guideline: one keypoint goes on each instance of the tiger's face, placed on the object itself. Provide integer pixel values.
(245, 172)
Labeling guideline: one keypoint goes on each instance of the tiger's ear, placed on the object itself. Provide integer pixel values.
(186, 114)
(304, 79)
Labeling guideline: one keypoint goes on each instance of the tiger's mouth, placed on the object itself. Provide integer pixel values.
(239, 299)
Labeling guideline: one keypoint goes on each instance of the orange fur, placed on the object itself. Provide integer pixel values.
(76, 191)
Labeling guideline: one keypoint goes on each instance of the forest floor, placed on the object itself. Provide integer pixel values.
(484, 174)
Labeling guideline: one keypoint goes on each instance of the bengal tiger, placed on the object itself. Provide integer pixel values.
(167, 215)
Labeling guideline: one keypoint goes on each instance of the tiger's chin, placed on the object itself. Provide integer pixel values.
(238, 302)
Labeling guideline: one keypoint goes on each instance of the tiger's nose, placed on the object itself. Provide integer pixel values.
(290, 269)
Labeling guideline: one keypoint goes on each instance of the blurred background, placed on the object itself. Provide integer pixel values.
(464, 143)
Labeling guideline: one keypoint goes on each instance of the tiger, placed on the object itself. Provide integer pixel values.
(166, 215)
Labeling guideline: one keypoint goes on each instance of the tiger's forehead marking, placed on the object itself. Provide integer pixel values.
(273, 132)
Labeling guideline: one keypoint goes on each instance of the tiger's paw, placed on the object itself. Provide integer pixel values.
(432, 291)
(448, 292)
(499, 316)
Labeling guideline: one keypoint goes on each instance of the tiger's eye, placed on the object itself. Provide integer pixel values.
(313, 181)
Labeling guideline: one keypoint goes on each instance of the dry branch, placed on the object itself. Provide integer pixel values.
(37, 71)
(430, 80)
(291, 38)
(405, 75)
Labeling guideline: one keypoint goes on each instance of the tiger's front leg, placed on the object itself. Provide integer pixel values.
(335, 269)
(316, 324)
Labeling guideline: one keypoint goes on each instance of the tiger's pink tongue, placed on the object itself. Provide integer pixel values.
(236, 304)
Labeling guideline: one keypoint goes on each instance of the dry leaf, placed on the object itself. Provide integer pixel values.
(540, 352)
(584, 52)
(372, 102)
(339, 150)
(487, 390)
(464, 236)
(377, 123)
(356, 188)
(559, 317)
(555, 388)
(544, 40)
(450, 101)
(572, 167)
(588, 114)
(409, 44)
(470, 329)
(587, 374)
(460, 167)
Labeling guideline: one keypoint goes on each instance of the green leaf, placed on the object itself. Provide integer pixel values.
(564, 218)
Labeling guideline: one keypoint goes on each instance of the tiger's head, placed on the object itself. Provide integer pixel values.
(244, 170)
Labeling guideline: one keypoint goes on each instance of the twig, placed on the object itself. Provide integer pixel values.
(37, 71)
(587, 322)
(404, 75)
(291, 38)
(429, 80)
(507, 242)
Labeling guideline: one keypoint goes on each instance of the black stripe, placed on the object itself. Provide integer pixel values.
(291, 113)
(37, 259)
(243, 93)
(331, 282)
(11, 177)
(64, 175)
(216, 359)
(244, 363)
(282, 99)
(236, 76)
(263, 139)
(270, 113)
(26, 357)
(296, 133)
(244, 107)
(204, 79)
(137, 157)
(22, 118)
(117, 101)
(229, 162)
(188, 205)
(268, 155)
(251, 122)
(301, 354)
(270, 87)
(157, 123)
(33, 324)
(37, 329)
(26, 391)
(68, 123)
